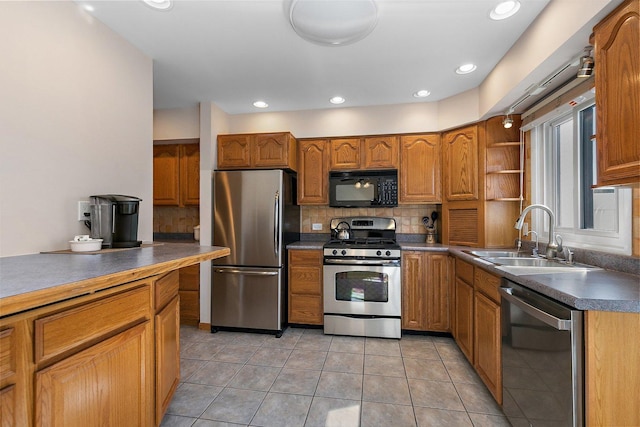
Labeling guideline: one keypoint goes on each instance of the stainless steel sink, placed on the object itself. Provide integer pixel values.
(519, 266)
(497, 253)
(524, 262)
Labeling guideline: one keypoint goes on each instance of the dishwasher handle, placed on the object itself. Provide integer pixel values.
(245, 272)
(553, 321)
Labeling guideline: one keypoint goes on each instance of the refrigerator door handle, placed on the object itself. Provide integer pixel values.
(276, 223)
(245, 272)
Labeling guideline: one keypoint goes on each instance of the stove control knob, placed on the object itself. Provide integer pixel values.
(379, 253)
(388, 253)
(335, 252)
(343, 252)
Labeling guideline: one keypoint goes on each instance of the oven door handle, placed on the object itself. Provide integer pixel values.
(340, 261)
(549, 319)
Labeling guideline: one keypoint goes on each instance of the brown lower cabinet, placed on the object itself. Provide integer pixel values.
(190, 295)
(305, 287)
(425, 291)
(477, 323)
(108, 358)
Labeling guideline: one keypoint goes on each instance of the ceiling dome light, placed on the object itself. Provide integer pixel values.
(504, 10)
(466, 69)
(333, 23)
(260, 104)
(337, 100)
(159, 4)
(422, 93)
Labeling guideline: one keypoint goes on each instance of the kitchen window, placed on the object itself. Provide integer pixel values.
(564, 172)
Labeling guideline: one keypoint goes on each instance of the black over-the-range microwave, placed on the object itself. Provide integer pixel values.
(351, 189)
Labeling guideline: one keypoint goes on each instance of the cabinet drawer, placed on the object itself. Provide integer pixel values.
(75, 328)
(305, 257)
(488, 284)
(7, 353)
(166, 288)
(306, 310)
(464, 271)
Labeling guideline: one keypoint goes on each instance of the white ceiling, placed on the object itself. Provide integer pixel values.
(233, 52)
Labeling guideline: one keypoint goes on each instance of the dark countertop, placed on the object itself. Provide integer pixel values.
(598, 289)
(48, 277)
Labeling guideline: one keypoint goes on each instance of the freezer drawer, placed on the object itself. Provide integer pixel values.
(243, 297)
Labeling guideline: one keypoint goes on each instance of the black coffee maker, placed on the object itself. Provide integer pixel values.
(114, 219)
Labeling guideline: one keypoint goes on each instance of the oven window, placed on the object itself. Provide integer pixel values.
(365, 286)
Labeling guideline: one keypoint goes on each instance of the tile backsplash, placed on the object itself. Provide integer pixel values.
(170, 219)
(408, 217)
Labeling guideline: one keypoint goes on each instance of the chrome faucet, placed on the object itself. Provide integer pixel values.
(552, 247)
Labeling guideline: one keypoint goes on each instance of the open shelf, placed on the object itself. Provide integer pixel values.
(504, 144)
(504, 172)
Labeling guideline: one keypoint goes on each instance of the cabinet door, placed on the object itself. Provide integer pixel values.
(110, 383)
(272, 150)
(420, 171)
(166, 175)
(305, 287)
(437, 313)
(617, 59)
(464, 318)
(190, 295)
(345, 153)
(380, 152)
(234, 151)
(190, 174)
(167, 356)
(461, 164)
(487, 357)
(313, 176)
(413, 291)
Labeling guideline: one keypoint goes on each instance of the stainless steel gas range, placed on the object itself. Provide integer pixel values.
(362, 278)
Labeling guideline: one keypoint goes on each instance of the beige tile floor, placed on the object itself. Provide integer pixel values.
(306, 378)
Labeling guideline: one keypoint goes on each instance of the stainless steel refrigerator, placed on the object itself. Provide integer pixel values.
(256, 216)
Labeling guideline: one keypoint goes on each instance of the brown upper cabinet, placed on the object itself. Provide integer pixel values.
(375, 152)
(461, 163)
(258, 150)
(617, 62)
(176, 174)
(313, 176)
(420, 171)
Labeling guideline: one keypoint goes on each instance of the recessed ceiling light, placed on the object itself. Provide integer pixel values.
(159, 4)
(422, 93)
(88, 8)
(337, 100)
(466, 69)
(260, 104)
(504, 10)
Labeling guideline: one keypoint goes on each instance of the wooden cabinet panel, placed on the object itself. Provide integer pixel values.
(313, 176)
(109, 383)
(345, 153)
(420, 169)
(8, 357)
(438, 293)
(190, 174)
(8, 401)
(167, 327)
(425, 291)
(166, 175)
(166, 288)
(617, 59)
(488, 284)
(176, 174)
(380, 152)
(274, 150)
(61, 333)
(487, 354)
(461, 163)
(257, 150)
(190, 295)
(611, 367)
(305, 287)
(464, 318)
(413, 291)
(234, 151)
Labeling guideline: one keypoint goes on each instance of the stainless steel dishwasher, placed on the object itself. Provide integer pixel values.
(542, 359)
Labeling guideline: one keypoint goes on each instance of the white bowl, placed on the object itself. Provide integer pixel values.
(86, 245)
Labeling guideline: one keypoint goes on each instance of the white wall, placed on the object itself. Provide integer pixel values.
(176, 123)
(75, 120)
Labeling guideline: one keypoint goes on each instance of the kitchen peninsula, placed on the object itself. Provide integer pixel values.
(89, 339)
